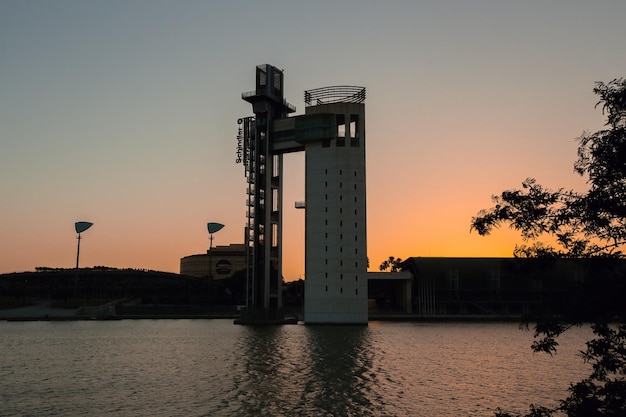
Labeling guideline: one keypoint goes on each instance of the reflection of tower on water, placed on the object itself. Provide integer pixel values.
(305, 370)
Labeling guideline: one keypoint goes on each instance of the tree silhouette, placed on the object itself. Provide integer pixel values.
(393, 264)
(590, 228)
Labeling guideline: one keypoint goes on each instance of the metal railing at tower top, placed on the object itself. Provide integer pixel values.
(334, 94)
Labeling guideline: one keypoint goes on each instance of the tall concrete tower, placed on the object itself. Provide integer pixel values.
(335, 219)
(264, 170)
(332, 135)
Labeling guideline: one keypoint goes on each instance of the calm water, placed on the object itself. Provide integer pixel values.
(216, 368)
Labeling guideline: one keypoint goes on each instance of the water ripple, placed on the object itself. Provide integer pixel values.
(214, 368)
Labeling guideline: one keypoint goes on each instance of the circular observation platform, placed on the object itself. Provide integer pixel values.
(335, 94)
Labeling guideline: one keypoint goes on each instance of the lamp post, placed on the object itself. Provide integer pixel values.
(212, 228)
(79, 227)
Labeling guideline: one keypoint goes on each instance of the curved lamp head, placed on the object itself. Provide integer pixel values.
(82, 226)
(214, 227)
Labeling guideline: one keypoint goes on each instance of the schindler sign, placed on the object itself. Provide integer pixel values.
(239, 158)
(244, 141)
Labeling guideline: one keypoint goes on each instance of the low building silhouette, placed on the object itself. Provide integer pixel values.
(501, 287)
(221, 261)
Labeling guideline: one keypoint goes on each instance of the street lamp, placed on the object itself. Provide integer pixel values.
(212, 228)
(79, 227)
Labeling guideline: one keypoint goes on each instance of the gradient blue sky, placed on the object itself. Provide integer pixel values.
(123, 113)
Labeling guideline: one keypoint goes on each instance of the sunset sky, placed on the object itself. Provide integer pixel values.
(123, 113)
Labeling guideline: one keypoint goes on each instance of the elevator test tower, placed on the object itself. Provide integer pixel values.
(332, 135)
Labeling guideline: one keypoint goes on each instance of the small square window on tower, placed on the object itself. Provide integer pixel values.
(354, 130)
(354, 123)
(341, 126)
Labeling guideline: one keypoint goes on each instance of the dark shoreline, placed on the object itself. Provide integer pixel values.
(372, 318)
